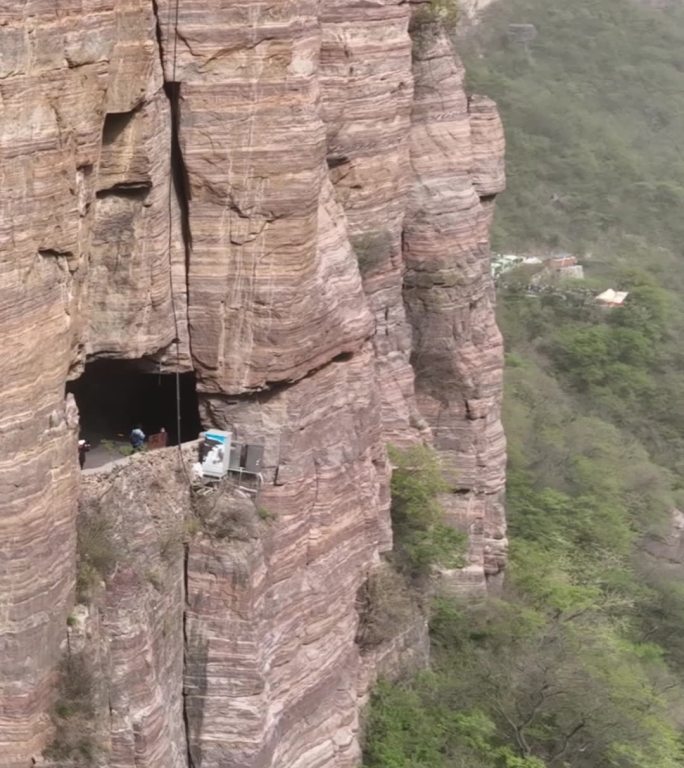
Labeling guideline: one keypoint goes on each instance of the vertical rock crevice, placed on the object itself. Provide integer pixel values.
(179, 173)
(189, 751)
(172, 88)
(178, 182)
(179, 185)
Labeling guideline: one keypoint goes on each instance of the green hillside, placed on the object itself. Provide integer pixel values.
(581, 663)
(594, 114)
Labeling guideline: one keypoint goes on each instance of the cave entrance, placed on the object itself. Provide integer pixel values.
(113, 396)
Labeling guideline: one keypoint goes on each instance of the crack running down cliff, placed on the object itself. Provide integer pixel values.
(179, 184)
(179, 172)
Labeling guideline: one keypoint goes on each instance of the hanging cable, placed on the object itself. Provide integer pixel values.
(173, 93)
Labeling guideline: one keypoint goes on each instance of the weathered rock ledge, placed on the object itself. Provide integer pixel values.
(293, 202)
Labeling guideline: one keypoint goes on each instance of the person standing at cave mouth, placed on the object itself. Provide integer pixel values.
(83, 448)
(137, 438)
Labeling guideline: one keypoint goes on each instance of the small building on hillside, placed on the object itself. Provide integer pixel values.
(564, 265)
(612, 298)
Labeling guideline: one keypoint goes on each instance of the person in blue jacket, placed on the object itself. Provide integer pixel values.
(137, 438)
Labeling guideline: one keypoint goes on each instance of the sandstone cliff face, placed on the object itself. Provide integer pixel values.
(293, 201)
(366, 104)
(456, 154)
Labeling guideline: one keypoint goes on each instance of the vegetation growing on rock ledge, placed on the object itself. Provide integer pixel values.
(97, 551)
(373, 250)
(444, 13)
(422, 538)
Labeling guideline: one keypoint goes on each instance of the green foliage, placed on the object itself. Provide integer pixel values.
(524, 682)
(266, 515)
(410, 727)
(594, 113)
(385, 603)
(373, 250)
(439, 13)
(614, 359)
(416, 482)
(557, 673)
(422, 538)
(113, 446)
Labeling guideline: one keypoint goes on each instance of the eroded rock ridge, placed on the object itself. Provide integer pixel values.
(293, 201)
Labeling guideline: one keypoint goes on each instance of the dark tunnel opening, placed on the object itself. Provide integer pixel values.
(114, 396)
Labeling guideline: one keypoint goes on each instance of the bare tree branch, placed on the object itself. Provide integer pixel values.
(567, 738)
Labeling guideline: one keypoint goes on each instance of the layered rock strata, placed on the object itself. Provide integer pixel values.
(277, 198)
(366, 105)
(132, 631)
(457, 162)
(271, 653)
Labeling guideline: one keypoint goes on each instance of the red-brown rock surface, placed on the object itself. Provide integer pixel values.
(312, 226)
(134, 630)
(366, 89)
(457, 159)
(271, 659)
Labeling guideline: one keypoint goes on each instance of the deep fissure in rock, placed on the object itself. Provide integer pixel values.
(54, 253)
(179, 172)
(130, 190)
(191, 750)
(113, 396)
(181, 186)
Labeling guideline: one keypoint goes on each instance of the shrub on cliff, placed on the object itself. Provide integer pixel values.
(385, 602)
(373, 250)
(225, 514)
(432, 15)
(73, 714)
(96, 550)
(422, 538)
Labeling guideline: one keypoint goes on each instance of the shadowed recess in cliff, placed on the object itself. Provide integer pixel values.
(196, 659)
(115, 124)
(179, 173)
(115, 395)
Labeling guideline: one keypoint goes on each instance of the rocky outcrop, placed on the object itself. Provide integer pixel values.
(457, 162)
(132, 633)
(280, 619)
(366, 105)
(45, 137)
(293, 204)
